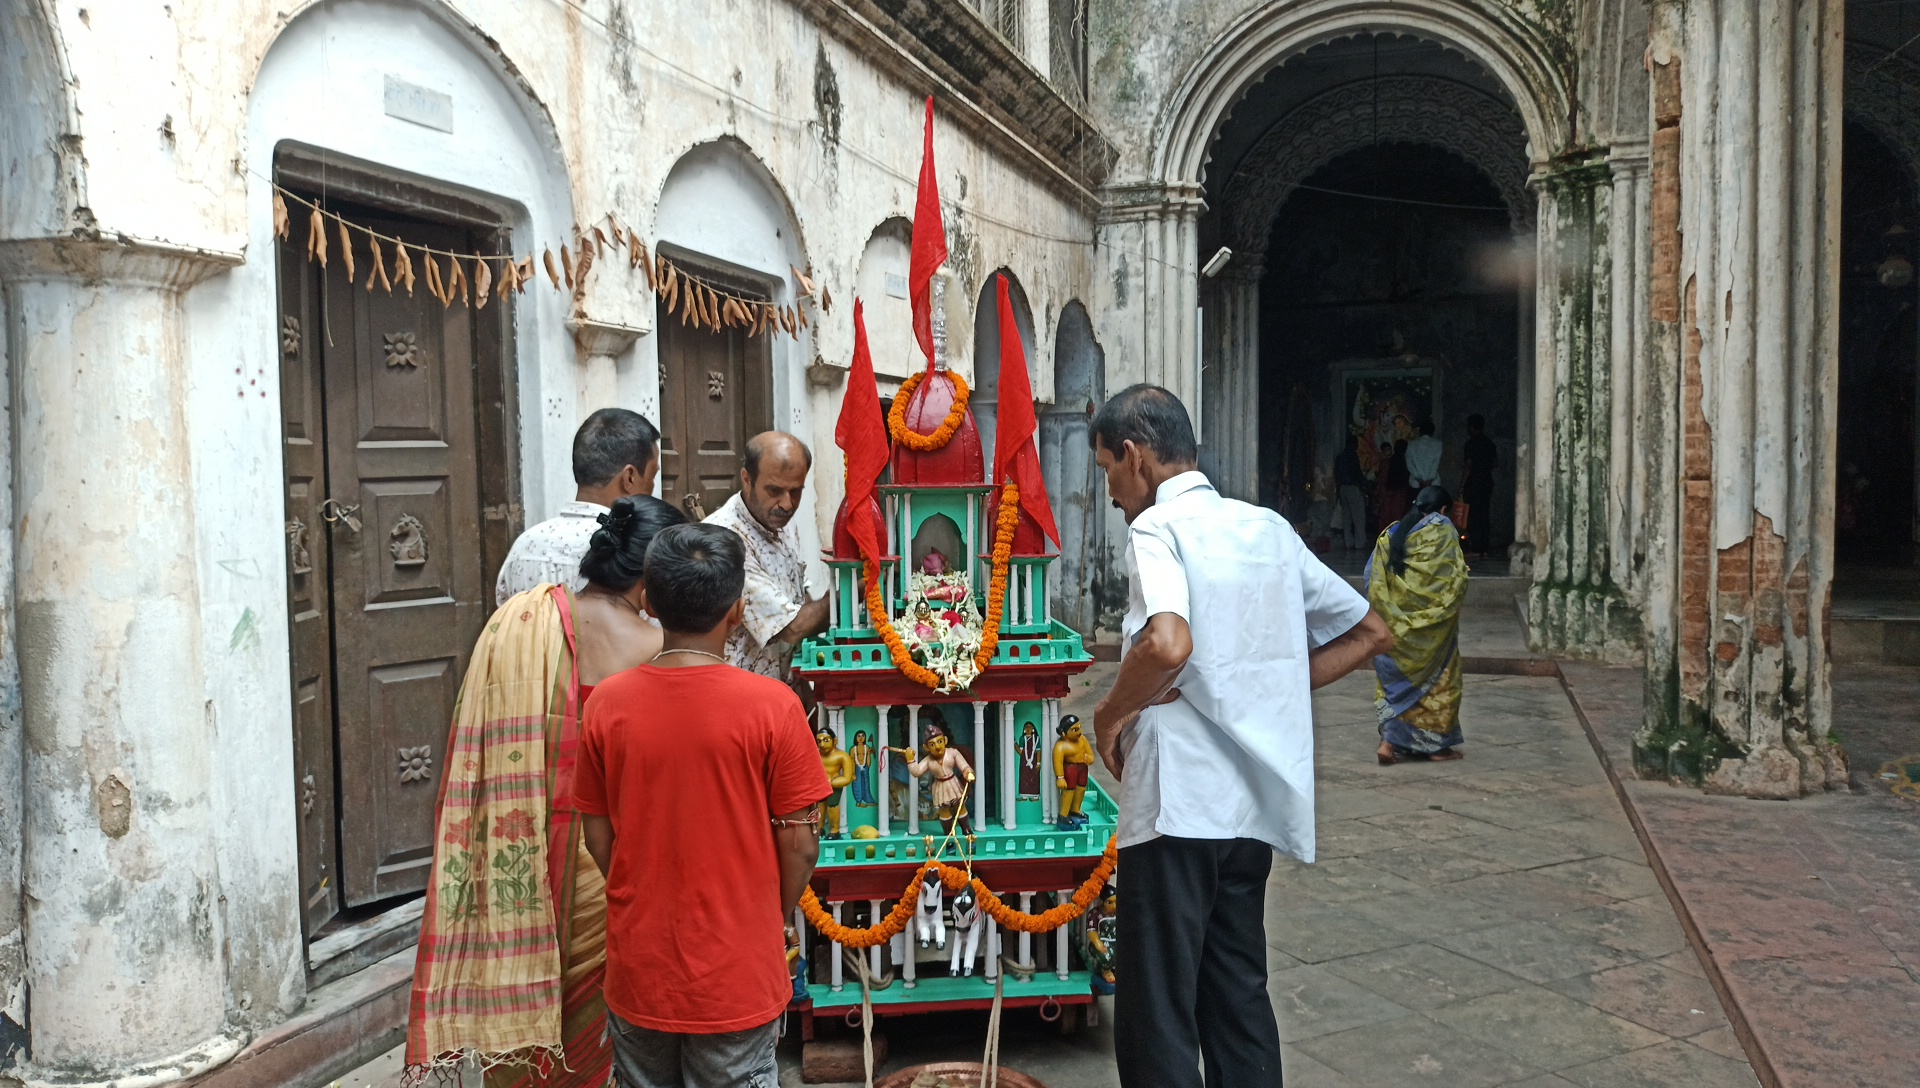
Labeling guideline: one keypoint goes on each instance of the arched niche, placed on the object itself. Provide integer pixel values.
(940, 533)
(1073, 481)
(321, 91)
(323, 86)
(721, 205)
(986, 351)
(724, 217)
(881, 285)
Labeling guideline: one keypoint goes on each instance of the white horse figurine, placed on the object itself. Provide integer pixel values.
(968, 922)
(931, 919)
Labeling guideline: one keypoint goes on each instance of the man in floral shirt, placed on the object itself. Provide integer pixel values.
(778, 613)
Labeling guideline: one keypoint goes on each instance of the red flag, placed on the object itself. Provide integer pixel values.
(929, 246)
(862, 435)
(1014, 454)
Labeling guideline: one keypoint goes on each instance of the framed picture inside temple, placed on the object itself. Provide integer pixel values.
(1380, 407)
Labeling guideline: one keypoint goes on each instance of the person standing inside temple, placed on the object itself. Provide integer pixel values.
(1350, 481)
(1423, 458)
(1391, 495)
(778, 613)
(616, 453)
(1477, 485)
(1230, 623)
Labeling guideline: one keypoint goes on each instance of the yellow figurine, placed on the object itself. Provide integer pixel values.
(839, 768)
(1072, 755)
(951, 777)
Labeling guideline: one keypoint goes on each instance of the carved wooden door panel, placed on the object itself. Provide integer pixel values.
(408, 588)
(713, 397)
(309, 601)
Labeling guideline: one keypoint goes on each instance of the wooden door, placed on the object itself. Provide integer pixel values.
(713, 397)
(409, 594)
(309, 583)
(398, 462)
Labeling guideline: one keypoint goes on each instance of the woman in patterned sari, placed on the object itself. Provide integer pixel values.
(1416, 582)
(513, 940)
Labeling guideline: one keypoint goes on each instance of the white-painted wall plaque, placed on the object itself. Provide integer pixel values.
(420, 105)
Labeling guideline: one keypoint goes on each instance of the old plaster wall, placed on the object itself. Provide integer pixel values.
(560, 114)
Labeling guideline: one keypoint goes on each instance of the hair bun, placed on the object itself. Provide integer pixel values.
(619, 522)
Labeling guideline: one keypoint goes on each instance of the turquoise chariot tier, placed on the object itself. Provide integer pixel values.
(1029, 840)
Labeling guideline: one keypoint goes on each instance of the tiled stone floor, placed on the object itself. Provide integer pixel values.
(1486, 922)
(1491, 921)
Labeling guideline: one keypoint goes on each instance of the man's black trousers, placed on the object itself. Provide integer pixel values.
(1193, 966)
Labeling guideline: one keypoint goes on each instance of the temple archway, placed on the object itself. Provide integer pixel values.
(1371, 191)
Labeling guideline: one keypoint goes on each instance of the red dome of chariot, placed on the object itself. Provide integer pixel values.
(960, 461)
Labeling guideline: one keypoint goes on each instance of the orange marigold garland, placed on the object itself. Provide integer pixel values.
(1003, 530)
(1008, 521)
(943, 434)
(956, 878)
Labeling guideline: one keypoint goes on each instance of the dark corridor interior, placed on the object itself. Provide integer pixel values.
(1874, 509)
(1391, 297)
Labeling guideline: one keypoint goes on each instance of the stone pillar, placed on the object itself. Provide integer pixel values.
(1748, 708)
(1627, 481)
(1151, 233)
(1525, 440)
(1575, 608)
(1230, 378)
(123, 918)
(597, 382)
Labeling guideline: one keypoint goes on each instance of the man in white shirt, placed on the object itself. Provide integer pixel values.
(1423, 458)
(616, 453)
(778, 614)
(1231, 623)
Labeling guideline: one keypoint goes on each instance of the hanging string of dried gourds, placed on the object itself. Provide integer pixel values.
(696, 301)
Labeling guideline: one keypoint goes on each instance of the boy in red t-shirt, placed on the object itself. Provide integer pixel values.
(700, 787)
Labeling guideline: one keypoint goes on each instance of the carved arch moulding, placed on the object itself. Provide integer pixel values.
(1418, 109)
(1516, 51)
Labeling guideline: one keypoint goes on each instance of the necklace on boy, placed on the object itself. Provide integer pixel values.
(702, 653)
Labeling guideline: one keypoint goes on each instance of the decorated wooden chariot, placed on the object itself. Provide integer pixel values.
(965, 845)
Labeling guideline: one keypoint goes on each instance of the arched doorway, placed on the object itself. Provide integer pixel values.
(724, 218)
(1072, 478)
(1371, 191)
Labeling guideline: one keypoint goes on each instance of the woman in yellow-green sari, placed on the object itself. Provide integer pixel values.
(1416, 582)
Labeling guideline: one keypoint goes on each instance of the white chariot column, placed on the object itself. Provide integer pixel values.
(834, 965)
(913, 784)
(1009, 769)
(1060, 941)
(981, 789)
(882, 763)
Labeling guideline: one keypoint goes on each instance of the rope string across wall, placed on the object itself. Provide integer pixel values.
(473, 278)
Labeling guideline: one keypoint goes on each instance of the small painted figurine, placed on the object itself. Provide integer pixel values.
(1103, 935)
(1072, 755)
(951, 777)
(931, 919)
(796, 965)
(968, 922)
(951, 589)
(1029, 762)
(840, 771)
(862, 754)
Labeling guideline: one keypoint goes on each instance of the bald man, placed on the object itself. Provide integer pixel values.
(778, 613)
